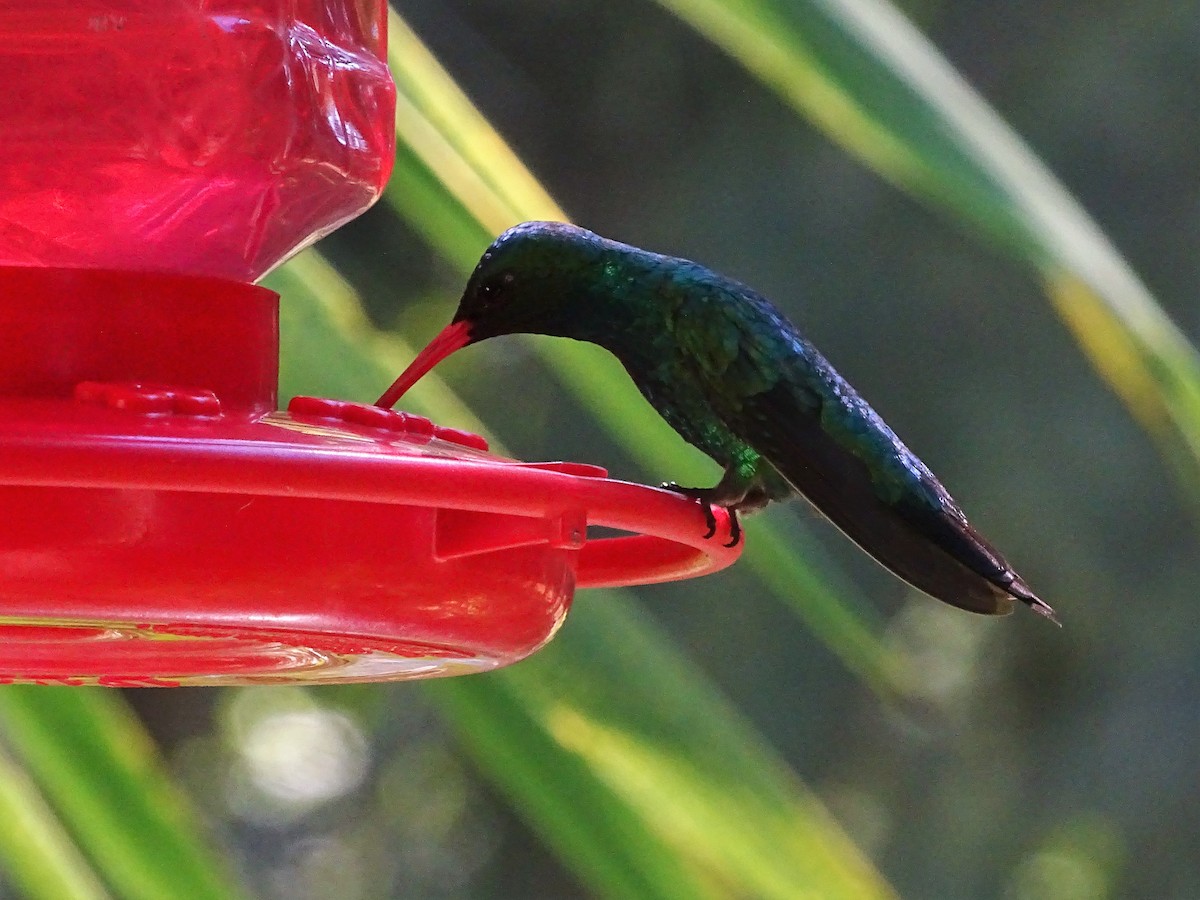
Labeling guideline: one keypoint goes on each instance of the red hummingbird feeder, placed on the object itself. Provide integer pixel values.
(161, 521)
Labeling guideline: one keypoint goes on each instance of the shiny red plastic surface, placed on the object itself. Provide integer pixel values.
(188, 135)
(161, 522)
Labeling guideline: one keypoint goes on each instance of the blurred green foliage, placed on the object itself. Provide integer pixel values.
(689, 740)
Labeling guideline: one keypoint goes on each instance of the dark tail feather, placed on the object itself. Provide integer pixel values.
(934, 550)
(1021, 591)
(922, 535)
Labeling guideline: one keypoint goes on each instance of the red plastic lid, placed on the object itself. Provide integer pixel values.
(162, 523)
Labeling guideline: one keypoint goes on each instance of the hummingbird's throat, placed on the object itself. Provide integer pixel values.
(453, 337)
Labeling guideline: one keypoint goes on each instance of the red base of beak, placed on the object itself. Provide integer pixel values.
(453, 337)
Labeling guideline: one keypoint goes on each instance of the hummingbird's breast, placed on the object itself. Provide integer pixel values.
(667, 385)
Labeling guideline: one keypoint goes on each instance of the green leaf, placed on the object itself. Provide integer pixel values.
(101, 772)
(645, 777)
(35, 849)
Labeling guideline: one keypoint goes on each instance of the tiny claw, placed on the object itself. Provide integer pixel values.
(696, 493)
(735, 528)
(701, 495)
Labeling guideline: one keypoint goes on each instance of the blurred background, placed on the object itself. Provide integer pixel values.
(1011, 759)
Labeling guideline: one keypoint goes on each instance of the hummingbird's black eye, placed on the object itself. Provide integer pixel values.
(495, 291)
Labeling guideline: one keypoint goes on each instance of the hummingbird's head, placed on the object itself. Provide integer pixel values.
(528, 281)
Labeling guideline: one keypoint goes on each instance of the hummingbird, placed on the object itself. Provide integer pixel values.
(737, 380)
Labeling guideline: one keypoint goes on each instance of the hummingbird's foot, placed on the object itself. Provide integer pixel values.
(704, 496)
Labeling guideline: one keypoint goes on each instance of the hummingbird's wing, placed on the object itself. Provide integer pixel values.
(931, 546)
(777, 393)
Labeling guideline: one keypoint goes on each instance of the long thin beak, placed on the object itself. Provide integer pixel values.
(453, 337)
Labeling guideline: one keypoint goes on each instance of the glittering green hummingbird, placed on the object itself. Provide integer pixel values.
(736, 379)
